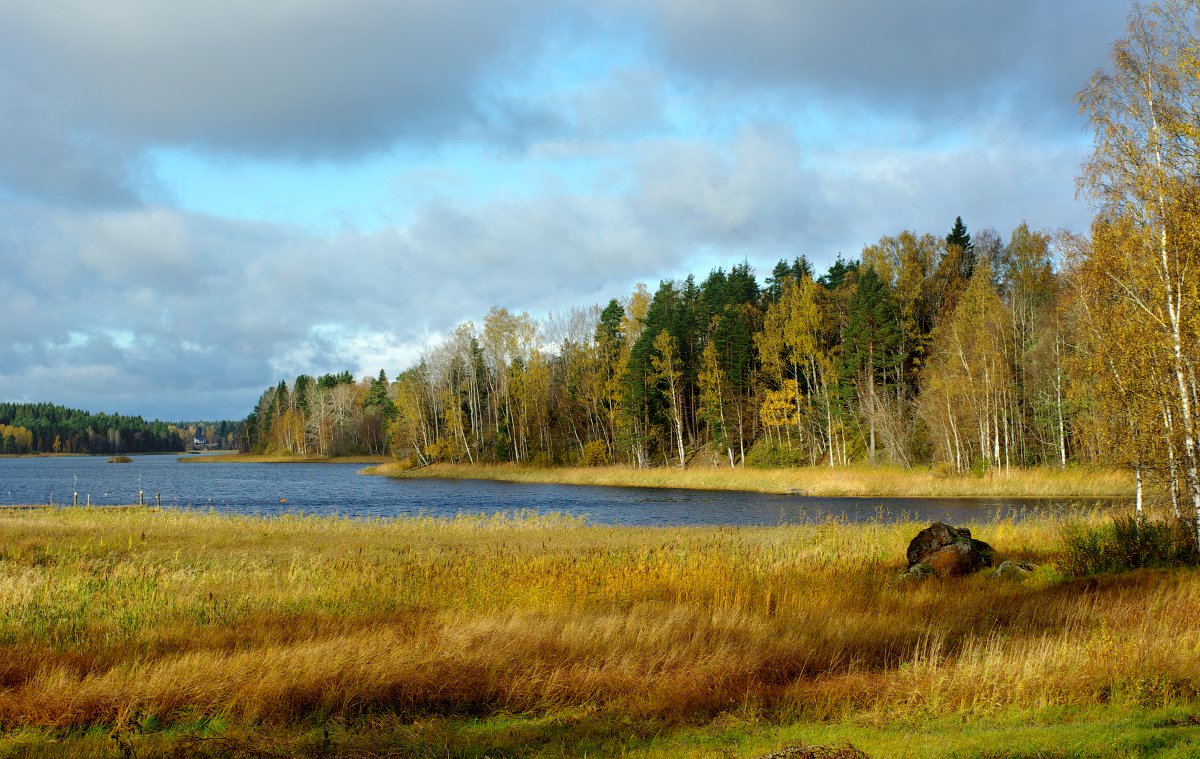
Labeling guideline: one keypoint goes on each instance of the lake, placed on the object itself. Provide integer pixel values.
(339, 489)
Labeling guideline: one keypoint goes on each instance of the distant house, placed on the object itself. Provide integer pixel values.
(199, 442)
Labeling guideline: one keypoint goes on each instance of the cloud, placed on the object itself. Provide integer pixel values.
(750, 193)
(937, 60)
(88, 87)
(161, 309)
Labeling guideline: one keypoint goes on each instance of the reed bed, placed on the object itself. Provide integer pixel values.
(151, 621)
(283, 458)
(878, 481)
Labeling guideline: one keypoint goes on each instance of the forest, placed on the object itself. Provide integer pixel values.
(961, 350)
(48, 428)
(927, 348)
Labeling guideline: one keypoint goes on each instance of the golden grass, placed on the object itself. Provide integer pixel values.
(123, 617)
(251, 458)
(861, 480)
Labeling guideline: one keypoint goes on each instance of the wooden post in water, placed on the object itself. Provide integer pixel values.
(158, 500)
(89, 500)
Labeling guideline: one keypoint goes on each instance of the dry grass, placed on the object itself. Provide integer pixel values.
(250, 458)
(864, 480)
(128, 618)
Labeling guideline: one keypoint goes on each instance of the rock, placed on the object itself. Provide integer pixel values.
(1015, 570)
(948, 552)
(846, 751)
(917, 571)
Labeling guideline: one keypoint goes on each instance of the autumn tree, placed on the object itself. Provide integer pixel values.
(966, 389)
(1145, 114)
(668, 372)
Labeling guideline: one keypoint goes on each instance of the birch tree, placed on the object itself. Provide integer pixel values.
(665, 361)
(1143, 175)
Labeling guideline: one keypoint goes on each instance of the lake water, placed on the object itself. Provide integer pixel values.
(266, 489)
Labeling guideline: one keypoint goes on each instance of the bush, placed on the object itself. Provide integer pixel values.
(1127, 543)
(767, 454)
(594, 453)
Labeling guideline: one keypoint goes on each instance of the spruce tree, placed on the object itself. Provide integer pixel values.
(872, 350)
(962, 239)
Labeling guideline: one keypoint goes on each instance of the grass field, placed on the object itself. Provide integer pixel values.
(133, 632)
(858, 480)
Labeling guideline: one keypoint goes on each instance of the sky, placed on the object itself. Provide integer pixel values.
(199, 199)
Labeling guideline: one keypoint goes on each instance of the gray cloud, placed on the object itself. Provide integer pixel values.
(87, 88)
(939, 60)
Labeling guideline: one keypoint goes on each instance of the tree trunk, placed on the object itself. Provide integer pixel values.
(871, 396)
(1172, 472)
(1062, 436)
(1137, 473)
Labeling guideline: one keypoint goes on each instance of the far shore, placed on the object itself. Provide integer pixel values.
(857, 480)
(83, 455)
(251, 458)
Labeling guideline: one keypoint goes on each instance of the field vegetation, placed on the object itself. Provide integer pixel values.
(284, 458)
(166, 632)
(862, 480)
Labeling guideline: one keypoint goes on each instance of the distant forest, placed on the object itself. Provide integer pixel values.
(47, 428)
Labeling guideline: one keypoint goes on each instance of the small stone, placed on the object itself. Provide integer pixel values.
(917, 571)
(1015, 570)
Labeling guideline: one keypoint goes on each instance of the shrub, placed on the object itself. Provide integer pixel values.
(767, 454)
(594, 453)
(1127, 543)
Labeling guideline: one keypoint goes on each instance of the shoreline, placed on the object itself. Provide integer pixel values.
(853, 481)
(85, 455)
(251, 458)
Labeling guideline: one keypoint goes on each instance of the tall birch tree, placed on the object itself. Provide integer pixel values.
(1143, 174)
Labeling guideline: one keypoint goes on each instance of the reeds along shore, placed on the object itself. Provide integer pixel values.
(877, 481)
(168, 618)
(254, 458)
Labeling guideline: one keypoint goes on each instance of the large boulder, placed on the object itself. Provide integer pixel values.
(947, 551)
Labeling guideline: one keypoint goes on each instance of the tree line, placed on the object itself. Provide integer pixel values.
(49, 428)
(928, 348)
(330, 415)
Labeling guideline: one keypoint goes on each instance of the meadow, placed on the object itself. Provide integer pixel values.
(858, 480)
(145, 633)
